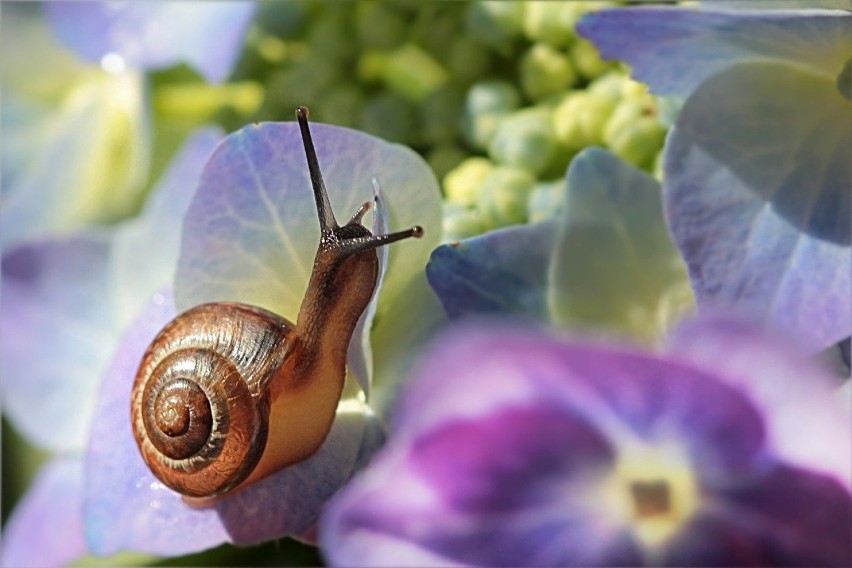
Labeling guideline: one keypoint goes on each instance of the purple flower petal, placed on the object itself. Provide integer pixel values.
(503, 272)
(46, 528)
(759, 206)
(55, 301)
(806, 422)
(126, 507)
(614, 265)
(770, 520)
(674, 49)
(154, 35)
(475, 473)
(251, 231)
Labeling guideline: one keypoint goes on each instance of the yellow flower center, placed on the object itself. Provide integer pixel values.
(653, 491)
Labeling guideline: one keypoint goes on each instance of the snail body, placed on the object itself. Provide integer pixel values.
(228, 393)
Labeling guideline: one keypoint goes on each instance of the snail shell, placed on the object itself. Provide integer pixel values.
(200, 406)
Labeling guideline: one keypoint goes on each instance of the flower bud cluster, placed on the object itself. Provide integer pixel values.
(497, 96)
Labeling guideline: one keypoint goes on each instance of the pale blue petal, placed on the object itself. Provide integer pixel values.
(758, 201)
(46, 527)
(154, 35)
(503, 272)
(145, 250)
(56, 336)
(674, 49)
(61, 182)
(251, 231)
(126, 507)
(614, 265)
(359, 354)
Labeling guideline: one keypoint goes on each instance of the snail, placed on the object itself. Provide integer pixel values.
(228, 393)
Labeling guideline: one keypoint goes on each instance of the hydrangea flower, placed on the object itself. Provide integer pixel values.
(77, 120)
(516, 447)
(248, 235)
(756, 167)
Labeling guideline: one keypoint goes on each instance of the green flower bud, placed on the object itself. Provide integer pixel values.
(495, 23)
(580, 119)
(631, 89)
(634, 133)
(412, 73)
(486, 104)
(504, 195)
(379, 25)
(545, 71)
(550, 22)
(546, 200)
(610, 85)
(390, 117)
(524, 140)
(463, 183)
(459, 222)
(587, 60)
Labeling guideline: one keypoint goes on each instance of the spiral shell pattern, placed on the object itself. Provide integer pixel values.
(200, 408)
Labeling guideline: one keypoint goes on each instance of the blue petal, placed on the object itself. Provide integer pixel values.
(145, 249)
(46, 528)
(83, 163)
(251, 231)
(503, 272)
(758, 201)
(614, 265)
(674, 49)
(154, 35)
(56, 327)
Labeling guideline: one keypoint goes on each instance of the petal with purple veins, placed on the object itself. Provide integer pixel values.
(759, 207)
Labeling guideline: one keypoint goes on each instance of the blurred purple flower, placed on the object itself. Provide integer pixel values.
(154, 35)
(756, 181)
(517, 448)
